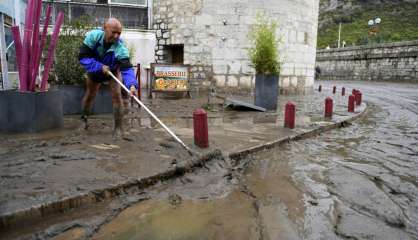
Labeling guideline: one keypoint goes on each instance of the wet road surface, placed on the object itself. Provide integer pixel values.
(358, 182)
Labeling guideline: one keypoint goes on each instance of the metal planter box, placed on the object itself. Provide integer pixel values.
(27, 112)
(266, 91)
(73, 95)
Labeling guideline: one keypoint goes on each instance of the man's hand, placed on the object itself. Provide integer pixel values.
(133, 90)
(105, 70)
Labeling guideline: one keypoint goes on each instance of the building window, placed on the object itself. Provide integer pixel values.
(11, 52)
(90, 1)
(129, 2)
(131, 16)
(140, 3)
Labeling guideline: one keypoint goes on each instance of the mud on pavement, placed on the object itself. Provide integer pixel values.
(59, 170)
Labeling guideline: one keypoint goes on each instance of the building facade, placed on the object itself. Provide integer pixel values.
(212, 36)
(11, 13)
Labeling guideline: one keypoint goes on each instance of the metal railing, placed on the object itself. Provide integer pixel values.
(132, 16)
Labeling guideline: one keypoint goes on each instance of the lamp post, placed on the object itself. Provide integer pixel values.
(339, 35)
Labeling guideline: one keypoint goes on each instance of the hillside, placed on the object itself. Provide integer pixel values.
(399, 21)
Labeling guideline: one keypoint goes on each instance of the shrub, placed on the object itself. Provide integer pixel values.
(67, 67)
(264, 53)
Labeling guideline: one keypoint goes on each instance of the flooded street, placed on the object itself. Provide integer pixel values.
(358, 182)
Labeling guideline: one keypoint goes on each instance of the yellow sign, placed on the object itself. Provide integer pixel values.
(168, 77)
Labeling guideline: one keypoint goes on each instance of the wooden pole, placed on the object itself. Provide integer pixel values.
(26, 46)
(35, 44)
(43, 41)
(51, 50)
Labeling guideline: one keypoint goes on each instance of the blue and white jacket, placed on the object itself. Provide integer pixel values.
(93, 56)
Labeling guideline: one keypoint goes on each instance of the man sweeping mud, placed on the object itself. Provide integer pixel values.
(103, 51)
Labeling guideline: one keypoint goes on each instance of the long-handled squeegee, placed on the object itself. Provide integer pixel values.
(152, 114)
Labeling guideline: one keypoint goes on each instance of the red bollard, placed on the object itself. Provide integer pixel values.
(343, 91)
(328, 107)
(358, 98)
(320, 88)
(289, 115)
(200, 127)
(334, 89)
(351, 101)
(354, 92)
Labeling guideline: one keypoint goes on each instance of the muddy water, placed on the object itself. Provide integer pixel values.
(354, 183)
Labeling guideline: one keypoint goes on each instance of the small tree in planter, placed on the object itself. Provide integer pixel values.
(67, 68)
(264, 55)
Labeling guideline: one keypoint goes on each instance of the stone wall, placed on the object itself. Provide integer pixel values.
(215, 38)
(396, 62)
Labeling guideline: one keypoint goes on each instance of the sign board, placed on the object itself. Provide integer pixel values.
(170, 78)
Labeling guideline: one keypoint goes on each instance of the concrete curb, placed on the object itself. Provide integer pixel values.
(236, 156)
(34, 213)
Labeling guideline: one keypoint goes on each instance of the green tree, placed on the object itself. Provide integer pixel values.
(67, 67)
(264, 53)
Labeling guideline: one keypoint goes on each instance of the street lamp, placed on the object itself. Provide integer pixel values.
(374, 26)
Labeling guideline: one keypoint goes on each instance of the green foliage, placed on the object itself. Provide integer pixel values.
(264, 53)
(363, 40)
(67, 67)
(399, 23)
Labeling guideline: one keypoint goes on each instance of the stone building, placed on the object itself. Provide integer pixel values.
(209, 35)
(212, 36)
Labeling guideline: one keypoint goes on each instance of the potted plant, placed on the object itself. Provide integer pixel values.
(264, 56)
(33, 107)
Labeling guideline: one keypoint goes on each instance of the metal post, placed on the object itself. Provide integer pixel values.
(17, 13)
(4, 73)
(150, 16)
(69, 13)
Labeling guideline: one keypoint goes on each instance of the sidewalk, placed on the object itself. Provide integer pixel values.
(51, 172)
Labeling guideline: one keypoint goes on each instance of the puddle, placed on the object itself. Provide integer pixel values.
(221, 219)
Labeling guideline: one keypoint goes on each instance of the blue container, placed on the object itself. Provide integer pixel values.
(73, 95)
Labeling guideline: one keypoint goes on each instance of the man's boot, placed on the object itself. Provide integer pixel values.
(117, 127)
(84, 117)
(127, 116)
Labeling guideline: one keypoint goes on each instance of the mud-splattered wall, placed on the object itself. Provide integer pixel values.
(214, 35)
(396, 62)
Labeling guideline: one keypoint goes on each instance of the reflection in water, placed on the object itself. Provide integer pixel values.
(368, 171)
(189, 220)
